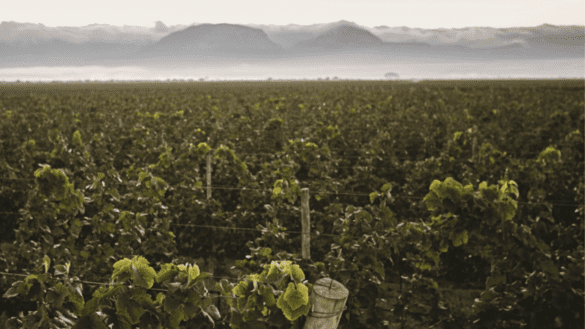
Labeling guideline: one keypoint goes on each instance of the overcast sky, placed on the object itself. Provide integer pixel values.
(411, 13)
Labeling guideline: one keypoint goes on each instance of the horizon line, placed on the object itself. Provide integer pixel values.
(291, 24)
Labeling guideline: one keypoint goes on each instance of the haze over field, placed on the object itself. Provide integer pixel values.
(342, 49)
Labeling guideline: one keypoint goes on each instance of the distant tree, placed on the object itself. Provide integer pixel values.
(391, 76)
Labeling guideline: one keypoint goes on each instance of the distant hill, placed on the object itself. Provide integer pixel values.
(487, 37)
(290, 35)
(29, 33)
(28, 44)
(343, 37)
(213, 40)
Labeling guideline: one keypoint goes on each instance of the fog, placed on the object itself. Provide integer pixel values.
(503, 69)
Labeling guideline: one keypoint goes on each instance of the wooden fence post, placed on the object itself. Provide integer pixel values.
(328, 301)
(208, 173)
(306, 222)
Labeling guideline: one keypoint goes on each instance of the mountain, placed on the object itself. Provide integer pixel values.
(290, 35)
(228, 37)
(208, 44)
(343, 37)
(27, 44)
(485, 37)
(28, 33)
(212, 40)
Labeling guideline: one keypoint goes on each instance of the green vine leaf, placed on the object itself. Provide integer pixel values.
(273, 271)
(459, 238)
(432, 201)
(91, 307)
(277, 188)
(444, 246)
(142, 297)
(128, 309)
(123, 266)
(294, 302)
(176, 317)
(103, 292)
(171, 303)
(386, 188)
(160, 297)
(167, 272)
(494, 280)
(241, 288)
(62, 269)
(76, 296)
(91, 321)
(296, 273)
(13, 291)
(46, 263)
(57, 294)
(268, 295)
(434, 256)
(213, 311)
(508, 209)
(142, 274)
(423, 266)
(193, 272)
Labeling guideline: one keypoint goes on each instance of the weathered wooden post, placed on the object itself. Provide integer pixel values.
(208, 173)
(329, 296)
(327, 304)
(306, 222)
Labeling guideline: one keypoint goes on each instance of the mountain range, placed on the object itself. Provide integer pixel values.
(27, 44)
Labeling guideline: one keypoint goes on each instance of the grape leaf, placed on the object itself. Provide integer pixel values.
(168, 271)
(128, 309)
(295, 297)
(459, 238)
(142, 274)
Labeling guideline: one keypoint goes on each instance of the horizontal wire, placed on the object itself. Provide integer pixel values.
(390, 156)
(114, 284)
(401, 139)
(253, 229)
(220, 227)
(242, 228)
(221, 187)
(208, 290)
(18, 179)
(80, 281)
(364, 195)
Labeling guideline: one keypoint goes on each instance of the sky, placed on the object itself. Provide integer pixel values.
(427, 14)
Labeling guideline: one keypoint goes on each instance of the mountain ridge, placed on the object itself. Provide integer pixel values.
(214, 35)
(22, 43)
(343, 36)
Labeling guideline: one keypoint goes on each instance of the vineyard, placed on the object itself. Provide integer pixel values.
(178, 205)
